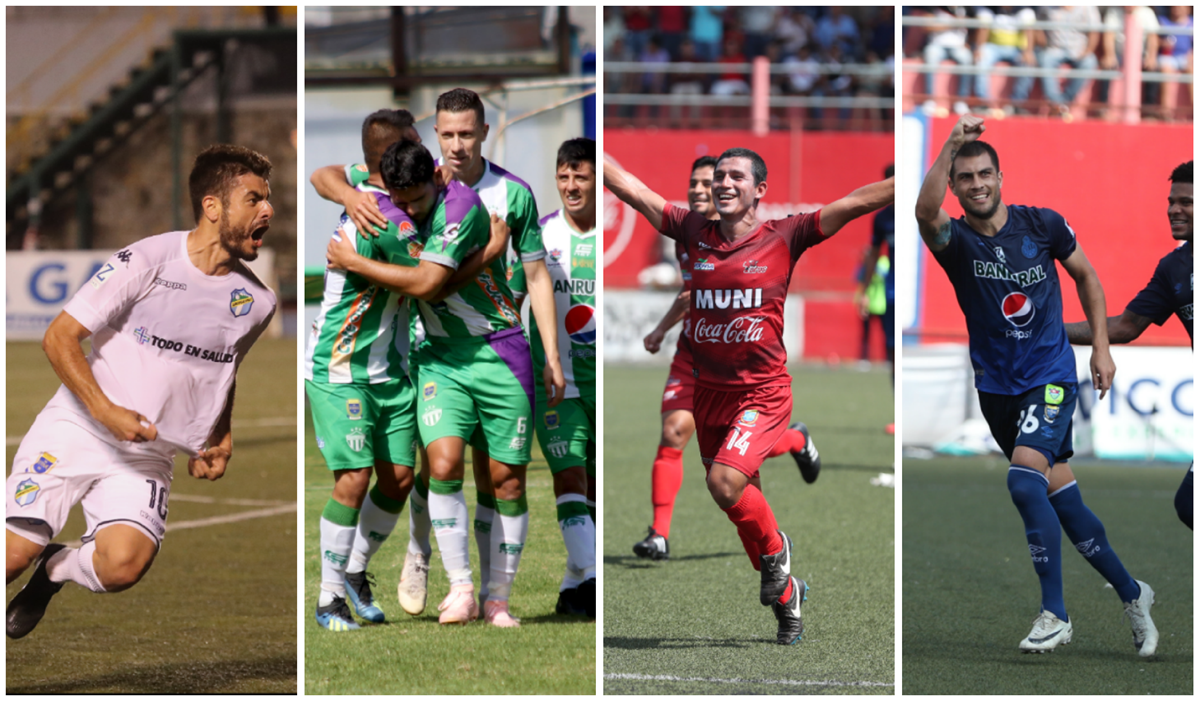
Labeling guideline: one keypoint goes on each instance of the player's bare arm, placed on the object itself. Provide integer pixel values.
(478, 261)
(330, 183)
(63, 347)
(932, 221)
(679, 310)
(1121, 329)
(423, 281)
(634, 193)
(541, 303)
(1091, 296)
(859, 203)
(211, 462)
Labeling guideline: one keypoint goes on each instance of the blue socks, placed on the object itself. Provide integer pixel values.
(1028, 489)
(1183, 501)
(1087, 533)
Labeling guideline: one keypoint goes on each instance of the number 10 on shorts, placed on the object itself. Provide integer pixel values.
(739, 440)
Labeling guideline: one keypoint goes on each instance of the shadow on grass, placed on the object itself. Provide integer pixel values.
(633, 562)
(209, 677)
(683, 643)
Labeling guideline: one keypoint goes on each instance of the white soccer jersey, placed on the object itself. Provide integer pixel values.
(166, 340)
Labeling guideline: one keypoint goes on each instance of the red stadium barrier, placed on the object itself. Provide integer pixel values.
(1108, 180)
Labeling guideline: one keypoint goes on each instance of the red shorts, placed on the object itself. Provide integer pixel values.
(739, 428)
(677, 395)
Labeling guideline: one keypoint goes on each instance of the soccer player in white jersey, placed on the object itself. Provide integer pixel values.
(171, 317)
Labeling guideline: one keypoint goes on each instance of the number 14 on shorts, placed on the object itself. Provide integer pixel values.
(739, 440)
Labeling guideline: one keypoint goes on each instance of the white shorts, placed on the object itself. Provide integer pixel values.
(59, 464)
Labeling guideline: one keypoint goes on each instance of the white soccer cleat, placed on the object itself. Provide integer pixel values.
(1145, 635)
(1049, 631)
(414, 581)
(496, 613)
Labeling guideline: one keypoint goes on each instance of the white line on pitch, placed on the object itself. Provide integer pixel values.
(709, 680)
(196, 499)
(219, 520)
(249, 423)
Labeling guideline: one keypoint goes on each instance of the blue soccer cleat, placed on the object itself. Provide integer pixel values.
(336, 616)
(358, 587)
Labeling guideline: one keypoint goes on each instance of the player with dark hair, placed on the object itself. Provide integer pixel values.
(1169, 292)
(678, 422)
(170, 317)
(1000, 259)
(741, 268)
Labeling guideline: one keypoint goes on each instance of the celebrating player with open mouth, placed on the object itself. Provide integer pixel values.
(741, 268)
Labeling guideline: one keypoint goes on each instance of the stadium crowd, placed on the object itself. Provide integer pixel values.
(1011, 38)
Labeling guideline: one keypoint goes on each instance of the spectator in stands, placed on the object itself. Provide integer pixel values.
(1008, 38)
(672, 29)
(948, 42)
(836, 28)
(779, 81)
(794, 29)
(803, 71)
(686, 83)
(1074, 47)
(639, 25)
(732, 83)
(758, 21)
(654, 53)
(1177, 51)
(614, 29)
(707, 31)
(882, 41)
(1112, 45)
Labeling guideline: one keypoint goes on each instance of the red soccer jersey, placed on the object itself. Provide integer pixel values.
(683, 347)
(738, 291)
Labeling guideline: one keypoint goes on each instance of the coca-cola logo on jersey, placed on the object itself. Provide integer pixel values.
(743, 329)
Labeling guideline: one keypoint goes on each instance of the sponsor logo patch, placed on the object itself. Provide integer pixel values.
(354, 409)
(240, 302)
(1050, 414)
(551, 419)
(751, 267)
(429, 391)
(580, 323)
(1055, 394)
(512, 548)
(703, 264)
(749, 417)
(169, 284)
(45, 463)
(102, 275)
(1018, 308)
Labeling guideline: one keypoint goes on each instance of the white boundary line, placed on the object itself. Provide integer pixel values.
(196, 499)
(276, 421)
(711, 680)
(219, 520)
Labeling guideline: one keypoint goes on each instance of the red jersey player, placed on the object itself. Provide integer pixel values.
(678, 423)
(741, 269)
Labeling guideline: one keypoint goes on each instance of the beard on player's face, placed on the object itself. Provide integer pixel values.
(242, 239)
(985, 206)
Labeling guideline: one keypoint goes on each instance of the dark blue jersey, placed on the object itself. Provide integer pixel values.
(884, 230)
(1007, 287)
(1169, 291)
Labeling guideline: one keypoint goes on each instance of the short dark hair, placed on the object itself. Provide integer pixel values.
(575, 152)
(889, 171)
(461, 100)
(1182, 173)
(976, 148)
(381, 129)
(704, 162)
(406, 164)
(758, 166)
(216, 170)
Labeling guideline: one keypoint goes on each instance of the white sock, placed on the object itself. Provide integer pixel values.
(374, 527)
(508, 540)
(336, 541)
(448, 516)
(418, 525)
(571, 578)
(579, 534)
(71, 565)
(484, 516)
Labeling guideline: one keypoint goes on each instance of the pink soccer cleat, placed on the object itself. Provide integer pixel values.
(459, 605)
(496, 613)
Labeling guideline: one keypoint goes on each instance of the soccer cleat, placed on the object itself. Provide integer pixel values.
(788, 614)
(1145, 635)
(459, 605)
(586, 597)
(653, 547)
(358, 587)
(776, 569)
(29, 605)
(496, 613)
(336, 616)
(414, 579)
(568, 603)
(1049, 631)
(807, 459)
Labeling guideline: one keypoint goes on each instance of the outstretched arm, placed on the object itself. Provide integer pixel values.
(932, 221)
(634, 193)
(423, 281)
(1121, 329)
(861, 202)
(679, 309)
(330, 183)
(1091, 296)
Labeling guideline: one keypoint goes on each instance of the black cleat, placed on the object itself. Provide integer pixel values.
(585, 596)
(358, 588)
(569, 604)
(654, 547)
(808, 459)
(788, 614)
(29, 605)
(775, 572)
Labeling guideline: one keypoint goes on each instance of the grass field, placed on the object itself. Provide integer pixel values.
(970, 593)
(217, 611)
(693, 625)
(548, 654)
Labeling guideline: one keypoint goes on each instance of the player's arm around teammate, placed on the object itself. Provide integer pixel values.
(330, 183)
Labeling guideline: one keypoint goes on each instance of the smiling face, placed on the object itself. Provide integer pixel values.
(699, 196)
(460, 136)
(976, 182)
(733, 187)
(1179, 211)
(577, 189)
(245, 217)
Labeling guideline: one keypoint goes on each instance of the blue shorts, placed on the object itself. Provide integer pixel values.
(1040, 419)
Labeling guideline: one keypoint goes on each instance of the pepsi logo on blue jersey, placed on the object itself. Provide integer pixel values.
(1007, 287)
(1169, 290)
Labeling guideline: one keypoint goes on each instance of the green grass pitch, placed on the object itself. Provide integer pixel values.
(970, 594)
(548, 654)
(216, 613)
(693, 625)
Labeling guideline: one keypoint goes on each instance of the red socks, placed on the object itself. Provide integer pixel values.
(665, 479)
(756, 524)
(790, 441)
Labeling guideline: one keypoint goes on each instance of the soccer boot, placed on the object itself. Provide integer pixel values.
(414, 580)
(1145, 635)
(358, 587)
(568, 603)
(336, 616)
(1049, 631)
(788, 614)
(496, 613)
(459, 605)
(586, 597)
(807, 458)
(29, 605)
(775, 572)
(653, 547)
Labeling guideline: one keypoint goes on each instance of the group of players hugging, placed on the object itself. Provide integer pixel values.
(419, 349)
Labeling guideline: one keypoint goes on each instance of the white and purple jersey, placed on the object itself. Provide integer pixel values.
(1169, 290)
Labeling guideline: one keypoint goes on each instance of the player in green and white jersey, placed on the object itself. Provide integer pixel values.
(567, 433)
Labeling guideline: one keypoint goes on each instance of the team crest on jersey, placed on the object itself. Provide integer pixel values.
(240, 302)
(27, 492)
(45, 463)
(703, 264)
(1051, 414)
(751, 267)
(354, 409)
(1028, 249)
(1054, 394)
(551, 419)
(415, 249)
(361, 168)
(429, 391)
(749, 417)
(356, 439)
(555, 256)
(580, 323)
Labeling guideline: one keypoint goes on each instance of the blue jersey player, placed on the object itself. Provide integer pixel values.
(1001, 260)
(883, 231)
(1168, 293)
